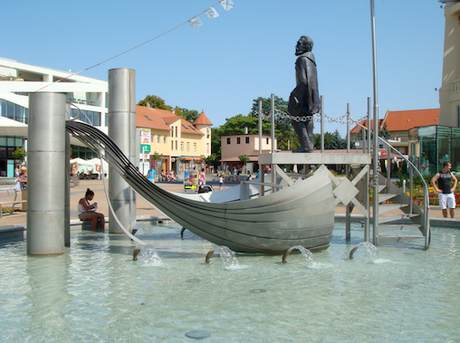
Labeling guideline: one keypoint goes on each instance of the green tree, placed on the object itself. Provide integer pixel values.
(154, 102)
(189, 115)
(287, 139)
(244, 159)
(331, 140)
(19, 153)
(236, 125)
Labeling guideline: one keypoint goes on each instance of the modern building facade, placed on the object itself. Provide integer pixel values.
(181, 143)
(18, 80)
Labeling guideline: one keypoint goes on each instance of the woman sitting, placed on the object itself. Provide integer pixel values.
(87, 211)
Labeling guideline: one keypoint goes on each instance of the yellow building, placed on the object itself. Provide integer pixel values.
(180, 143)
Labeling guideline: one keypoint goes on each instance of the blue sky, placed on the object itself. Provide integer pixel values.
(247, 52)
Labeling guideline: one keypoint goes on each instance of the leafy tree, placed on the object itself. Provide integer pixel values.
(287, 139)
(189, 115)
(244, 158)
(155, 102)
(331, 140)
(384, 132)
(236, 125)
(19, 153)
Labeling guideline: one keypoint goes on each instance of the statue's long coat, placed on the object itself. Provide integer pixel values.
(304, 99)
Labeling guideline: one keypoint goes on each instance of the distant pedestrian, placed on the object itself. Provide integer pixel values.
(445, 190)
(202, 178)
(151, 175)
(221, 181)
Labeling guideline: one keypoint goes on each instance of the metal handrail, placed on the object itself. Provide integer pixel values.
(426, 202)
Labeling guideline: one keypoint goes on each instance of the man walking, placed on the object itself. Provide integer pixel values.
(444, 189)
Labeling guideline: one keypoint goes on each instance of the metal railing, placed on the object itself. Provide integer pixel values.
(426, 201)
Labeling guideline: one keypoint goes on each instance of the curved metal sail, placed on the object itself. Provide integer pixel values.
(298, 215)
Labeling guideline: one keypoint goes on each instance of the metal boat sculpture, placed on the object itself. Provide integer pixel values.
(298, 215)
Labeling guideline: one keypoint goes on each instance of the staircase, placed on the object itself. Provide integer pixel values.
(400, 219)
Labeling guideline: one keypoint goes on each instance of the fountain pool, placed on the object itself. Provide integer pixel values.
(95, 292)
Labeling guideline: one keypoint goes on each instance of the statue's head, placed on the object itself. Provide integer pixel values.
(304, 44)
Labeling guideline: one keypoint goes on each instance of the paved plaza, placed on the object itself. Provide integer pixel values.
(144, 208)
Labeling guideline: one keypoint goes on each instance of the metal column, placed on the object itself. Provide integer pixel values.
(67, 182)
(46, 174)
(122, 129)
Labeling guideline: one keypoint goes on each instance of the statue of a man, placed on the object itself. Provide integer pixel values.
(304, 100)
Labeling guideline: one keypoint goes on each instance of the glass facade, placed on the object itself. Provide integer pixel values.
(13, 111)
(82, 152)
(431, 146)
(90, 117)
(8, 144)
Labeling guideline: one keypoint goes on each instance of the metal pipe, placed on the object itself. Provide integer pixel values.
(272, 105)
(261, 167)
(67, 182)
(322, 124)
(46, 174)
(369, 130)
(411, 189)
(376, 127)
(389, 167)
(122, 129)
(348, 128)
(348, 211)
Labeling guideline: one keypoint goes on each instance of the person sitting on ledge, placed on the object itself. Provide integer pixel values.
(87, 211)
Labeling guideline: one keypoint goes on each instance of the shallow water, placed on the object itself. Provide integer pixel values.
(95, 292)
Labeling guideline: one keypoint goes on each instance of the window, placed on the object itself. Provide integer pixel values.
(172, 144)
(181, 146)
(158, 139)
(175, 129)
(268, 140)
(176, 145)
(207, 148)
(247, 140)
(229, 140)
(164, 139)
(188, 146)
(194, 147)
(238, 140)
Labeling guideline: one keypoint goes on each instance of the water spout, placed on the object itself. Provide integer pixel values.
(228, 257)
(305, 252)
(369, 248)
(148, 254)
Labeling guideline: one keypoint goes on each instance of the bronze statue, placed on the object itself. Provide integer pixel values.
(304, 100)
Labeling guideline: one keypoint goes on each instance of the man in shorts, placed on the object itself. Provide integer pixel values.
(445, 190)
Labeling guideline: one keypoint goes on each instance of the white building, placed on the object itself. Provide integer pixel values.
(18, 80)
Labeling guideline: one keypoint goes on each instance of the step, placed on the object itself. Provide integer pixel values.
(396, 227)
(390, 207)
(381, 187)
(397, 239)
(394, 217)
(385, 197)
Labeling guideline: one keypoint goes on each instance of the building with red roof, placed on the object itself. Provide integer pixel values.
(180, 143)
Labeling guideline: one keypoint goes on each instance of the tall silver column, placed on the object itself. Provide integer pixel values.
(46, 174)
(67, 182)
(122, 129)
